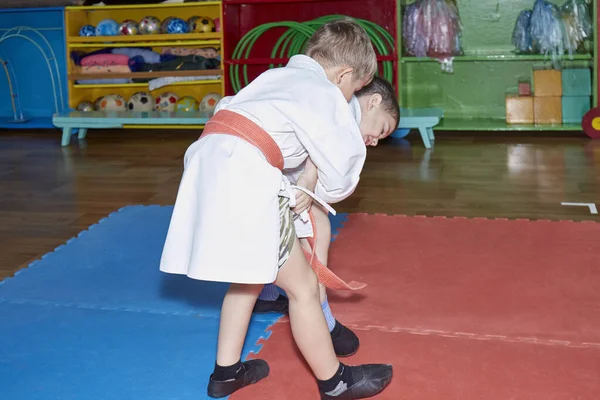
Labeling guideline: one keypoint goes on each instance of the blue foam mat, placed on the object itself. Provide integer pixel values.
(96, 319)
(114, 266)
(51, 352)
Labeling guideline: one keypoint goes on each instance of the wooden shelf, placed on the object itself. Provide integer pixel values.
(143, 6)
(500, 57)
(147, 75)
(489, 124)
(145, 38)
(144, 85)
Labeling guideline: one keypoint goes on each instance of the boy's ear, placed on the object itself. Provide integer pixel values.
(374, 101)
(344, 73)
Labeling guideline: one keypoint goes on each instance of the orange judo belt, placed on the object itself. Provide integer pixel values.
(231, 123)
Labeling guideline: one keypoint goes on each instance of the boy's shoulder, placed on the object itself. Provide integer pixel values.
(302, 73)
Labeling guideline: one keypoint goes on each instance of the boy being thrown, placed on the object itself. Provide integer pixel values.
(232, 220)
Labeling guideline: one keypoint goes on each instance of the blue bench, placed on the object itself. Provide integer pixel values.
(423, 119)
(110, 120)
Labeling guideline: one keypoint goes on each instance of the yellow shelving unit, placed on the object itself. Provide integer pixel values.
(77, 17)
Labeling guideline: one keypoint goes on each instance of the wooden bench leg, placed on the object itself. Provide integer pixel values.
(430, 134)
(66, 136)
(425, 136)
(82, 133)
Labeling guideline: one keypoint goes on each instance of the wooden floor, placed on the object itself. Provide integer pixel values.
(49, 193)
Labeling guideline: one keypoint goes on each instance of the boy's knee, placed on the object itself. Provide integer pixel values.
(306, 288)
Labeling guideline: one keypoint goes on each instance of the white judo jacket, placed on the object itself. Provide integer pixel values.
(225, 223)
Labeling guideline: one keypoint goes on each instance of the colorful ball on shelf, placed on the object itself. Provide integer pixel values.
(85, 106)
(87, 30)
(187, 104)
(201, 25)
(128, 27)
(112, 102)
(141, 101)
(149, 26)
(218, 24)
(209, 102)
(97, 103)
(177, 25)
(165, 23)
(166, 102)
(107, 27)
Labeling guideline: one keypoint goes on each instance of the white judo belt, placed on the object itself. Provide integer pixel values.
(302, 223)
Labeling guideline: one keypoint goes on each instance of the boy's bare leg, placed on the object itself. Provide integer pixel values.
(335, 380)
(308, 324)
(235, 318)
(230, 374)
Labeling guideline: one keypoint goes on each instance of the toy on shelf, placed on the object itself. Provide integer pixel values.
(522, 33)
(111, 102)
(128, 27)
(209, 102)
(85, 106)
(578, 23)
(201, 25)
(553, 31)
(107, 27)
(519, 109)
(524, 88)
(432, 28)
(166, 102)
(186, 104)
(174, 25)
(149, 26)
(140, 101)
(559, 97)
(87, 30)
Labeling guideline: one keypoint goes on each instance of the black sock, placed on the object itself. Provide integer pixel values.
(227, 373)
(343, 374)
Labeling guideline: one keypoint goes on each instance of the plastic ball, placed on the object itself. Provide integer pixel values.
(165, 23)
(209, 102)
(201, 25)
(97, 103)
(128, 27)
(187, 104)
(87, 30)
(149, 26)
(166, 102)
(112, 102)
(177, 25)
(85, 106)
(141, 101)
(107, 27)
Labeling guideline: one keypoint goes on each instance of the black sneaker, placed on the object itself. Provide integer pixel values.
(280, 305)
(255, 370)
(369, 380)
(345, 342)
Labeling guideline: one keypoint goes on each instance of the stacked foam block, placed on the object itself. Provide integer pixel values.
(558, 97)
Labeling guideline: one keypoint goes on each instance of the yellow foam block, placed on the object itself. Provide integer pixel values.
(519, 110)
(547, 83)
(547, 110)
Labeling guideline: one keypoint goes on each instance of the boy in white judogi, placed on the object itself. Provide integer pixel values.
(376, 110)
(232, 220)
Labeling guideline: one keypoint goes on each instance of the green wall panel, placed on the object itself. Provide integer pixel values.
(477, 88)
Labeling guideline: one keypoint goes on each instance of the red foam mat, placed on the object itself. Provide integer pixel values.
(530, 279)
(463, 308)
(441, 368)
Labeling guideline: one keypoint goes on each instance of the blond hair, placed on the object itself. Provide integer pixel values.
(343, 42)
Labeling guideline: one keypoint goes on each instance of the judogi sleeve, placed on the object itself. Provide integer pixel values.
(326, 127)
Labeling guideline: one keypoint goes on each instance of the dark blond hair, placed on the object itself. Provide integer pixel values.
(343, 42)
